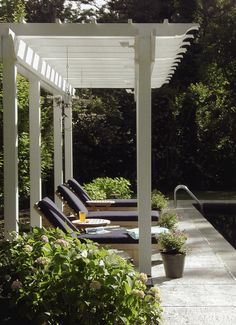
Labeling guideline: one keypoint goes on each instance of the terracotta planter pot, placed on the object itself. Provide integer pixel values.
(173, 265)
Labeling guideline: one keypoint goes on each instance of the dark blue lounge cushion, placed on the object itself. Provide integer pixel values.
(120, 215)
(74, 202)
(58, 219)
(55, 216)
(113, 237)
(78, 189)
(80, 192)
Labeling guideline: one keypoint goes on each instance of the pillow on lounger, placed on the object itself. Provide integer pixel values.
(155, 231)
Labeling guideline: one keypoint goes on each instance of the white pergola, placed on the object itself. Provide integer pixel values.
(61, 57)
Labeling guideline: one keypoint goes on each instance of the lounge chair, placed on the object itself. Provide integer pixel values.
(128, 219)
(116, 239)
(110, 204)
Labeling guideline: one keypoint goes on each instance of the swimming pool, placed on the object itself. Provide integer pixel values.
(222, 216)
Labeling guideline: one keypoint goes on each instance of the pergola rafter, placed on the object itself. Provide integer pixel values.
(62, 57)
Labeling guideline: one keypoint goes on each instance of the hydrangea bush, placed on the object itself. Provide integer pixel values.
(47, 277)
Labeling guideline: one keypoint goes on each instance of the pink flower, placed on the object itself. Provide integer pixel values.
(96, 285)
(155, 292)
(62, 242)
(42, 260)
(28, 248)
(143, 277)
(44, 238)
(138, 293)
(16, 285)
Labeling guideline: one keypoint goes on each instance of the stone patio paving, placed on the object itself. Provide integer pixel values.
(206, 295)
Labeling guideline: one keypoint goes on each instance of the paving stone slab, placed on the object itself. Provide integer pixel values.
(195, 238)
(200, 316)
(198, 248)
(206, 295)
(198, 295)
(201, 261)
(231, 266)
(194, 276)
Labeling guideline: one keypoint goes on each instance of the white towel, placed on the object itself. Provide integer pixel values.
(155, 231)
(96, 230)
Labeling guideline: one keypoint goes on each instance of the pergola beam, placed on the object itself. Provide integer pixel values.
(43, 83)
(28, 58)
(97, 30)
(92, 49)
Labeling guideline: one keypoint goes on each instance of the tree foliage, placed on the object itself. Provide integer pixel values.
(193, 140)
(193, 117)
(104, 134)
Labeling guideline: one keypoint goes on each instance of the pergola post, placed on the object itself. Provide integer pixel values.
(68, 145)
(58, 149)
(10, 137)
(143, 48)
(35, 149)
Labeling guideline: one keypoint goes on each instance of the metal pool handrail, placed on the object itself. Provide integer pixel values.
(184, 187)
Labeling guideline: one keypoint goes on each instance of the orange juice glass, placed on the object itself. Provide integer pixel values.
(82, 216)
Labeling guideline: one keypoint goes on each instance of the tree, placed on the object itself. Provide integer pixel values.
(33, 11)
(12, 11)
(184, 150)
(193, 116)
(139, 11)
(104, 135)
(23, 121)
(210, 95)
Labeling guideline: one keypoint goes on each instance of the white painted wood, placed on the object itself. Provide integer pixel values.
(143, 104)
(58, 149)
(35, 150)
(31, 59)
(100, 55)
(68, 145)
(27, 74)
(10, 138)
(49, 30)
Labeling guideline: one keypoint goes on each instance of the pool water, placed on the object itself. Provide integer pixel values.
(204, 195)
(222, 216)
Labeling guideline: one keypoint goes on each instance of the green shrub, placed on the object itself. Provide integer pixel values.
(48, 277)
(168, 220)
(94, 191)
(172, 242)
(159, 201)
(117, 187)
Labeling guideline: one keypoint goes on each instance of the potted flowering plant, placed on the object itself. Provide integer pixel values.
(168, 220)
(47, 277)
(172, 246)
(159, 201)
